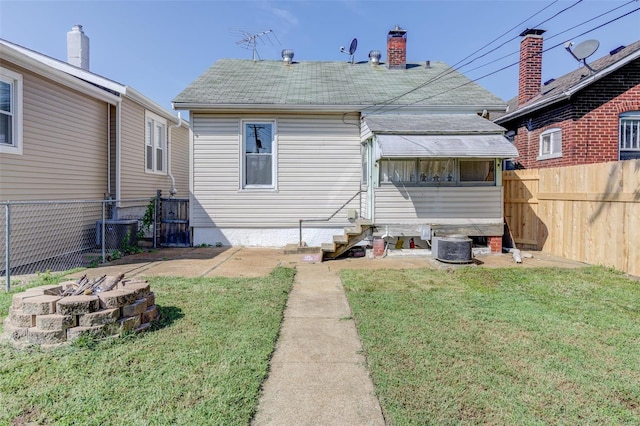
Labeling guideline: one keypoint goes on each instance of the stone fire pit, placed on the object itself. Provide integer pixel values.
(52, 315)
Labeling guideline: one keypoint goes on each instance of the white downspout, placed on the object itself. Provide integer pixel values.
(173, 191)
(118, 150)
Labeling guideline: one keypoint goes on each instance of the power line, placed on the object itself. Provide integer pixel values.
(555, 35)
(517, 62)
(453, 68)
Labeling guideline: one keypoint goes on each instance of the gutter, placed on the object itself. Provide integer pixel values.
(18, 58)
(151, 105)
(207, 107)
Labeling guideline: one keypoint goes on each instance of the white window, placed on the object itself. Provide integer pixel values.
(364, 156)
(155, 143)
(477, 172)
(398, 171)
(550, 144)
(438, 172)
(629, 135)
(10, 112)
(259, 154)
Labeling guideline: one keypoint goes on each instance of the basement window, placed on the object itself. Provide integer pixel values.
(10, 112)
(629, 135)
(550, 144)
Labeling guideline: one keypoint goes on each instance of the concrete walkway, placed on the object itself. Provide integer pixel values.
(318, 374)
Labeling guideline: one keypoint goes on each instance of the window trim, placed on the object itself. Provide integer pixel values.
(16, 82)
(632, 116)
(243, 186)
(155, 119)
(551, 154)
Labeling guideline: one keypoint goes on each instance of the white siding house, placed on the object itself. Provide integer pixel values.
(277, 142)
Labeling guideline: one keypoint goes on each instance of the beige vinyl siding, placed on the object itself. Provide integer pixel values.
(318, 169)
(414, 205)
(135, 182)
(64, 145)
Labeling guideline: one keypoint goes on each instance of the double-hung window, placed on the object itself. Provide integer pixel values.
(10, 112)
(629, 135)
(550, 144)
(259, 154)
(155, 143)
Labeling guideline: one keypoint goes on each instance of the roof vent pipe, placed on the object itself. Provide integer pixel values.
(374, 57)
(287, 56)
(78, 48)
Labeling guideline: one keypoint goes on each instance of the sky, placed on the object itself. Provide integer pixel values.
(159, 47)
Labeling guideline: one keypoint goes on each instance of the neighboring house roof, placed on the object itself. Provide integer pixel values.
(96, 85)
(332, 86)
(567, 85)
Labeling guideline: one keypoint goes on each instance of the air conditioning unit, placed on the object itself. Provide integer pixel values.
(117, 233)
(453, 249)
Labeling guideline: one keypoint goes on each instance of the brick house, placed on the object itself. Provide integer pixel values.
(585, 116)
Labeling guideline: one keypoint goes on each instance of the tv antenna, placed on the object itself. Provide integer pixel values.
(250, 41)
(352, 49)
(583, 50)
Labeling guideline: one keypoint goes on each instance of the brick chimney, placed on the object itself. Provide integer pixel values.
(397, 49)
(530, 76)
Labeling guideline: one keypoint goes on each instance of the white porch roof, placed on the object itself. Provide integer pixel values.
(444, 146)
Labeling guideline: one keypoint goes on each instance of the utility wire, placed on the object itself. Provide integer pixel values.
(515, 63)
(453, 68)
(555, 35)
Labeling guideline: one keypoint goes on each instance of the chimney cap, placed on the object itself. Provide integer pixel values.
(532, 31)
(397, 31)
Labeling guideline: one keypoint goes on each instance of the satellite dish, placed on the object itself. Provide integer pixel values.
(583, 50)
(352, 48)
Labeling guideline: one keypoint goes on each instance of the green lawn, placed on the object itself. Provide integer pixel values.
(203, 364)
(501, 346)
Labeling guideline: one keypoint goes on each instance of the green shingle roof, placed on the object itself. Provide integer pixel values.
(231, 82)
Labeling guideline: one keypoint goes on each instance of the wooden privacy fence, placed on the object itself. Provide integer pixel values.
(589, 213)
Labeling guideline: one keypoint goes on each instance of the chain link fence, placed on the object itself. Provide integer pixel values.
(39, 236)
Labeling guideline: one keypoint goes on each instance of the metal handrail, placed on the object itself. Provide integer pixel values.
(327, 219)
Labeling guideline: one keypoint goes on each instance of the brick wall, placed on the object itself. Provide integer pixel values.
(589, 122)
(495, 243)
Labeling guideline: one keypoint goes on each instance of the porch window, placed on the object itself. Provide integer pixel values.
(398, 171)
(155, 143)
(259, 148)
(479, 171)
(364, 156)
(10, 112)
(629, 135)
(437, 171)
(550, 144)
